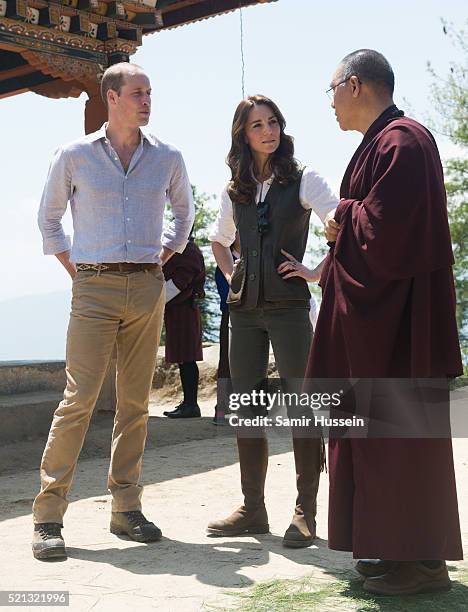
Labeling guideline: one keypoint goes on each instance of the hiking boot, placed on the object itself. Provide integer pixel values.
(48, 542)
(241, 521)
(185, 412)
(135, 526)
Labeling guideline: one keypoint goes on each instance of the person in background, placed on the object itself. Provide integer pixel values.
(185, 279)
(223, 383)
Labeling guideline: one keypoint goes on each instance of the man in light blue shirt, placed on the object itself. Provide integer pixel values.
(117, 181)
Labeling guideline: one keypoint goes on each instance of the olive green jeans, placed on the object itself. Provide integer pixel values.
(290, 332)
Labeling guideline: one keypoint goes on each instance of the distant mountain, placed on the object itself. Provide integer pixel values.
(34, 327)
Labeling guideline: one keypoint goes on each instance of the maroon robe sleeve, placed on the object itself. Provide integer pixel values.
(187, 272)
(399, 227)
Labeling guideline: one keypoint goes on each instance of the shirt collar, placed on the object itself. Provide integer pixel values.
(270, 180)
(102, 133)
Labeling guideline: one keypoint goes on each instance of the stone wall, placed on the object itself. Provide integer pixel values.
(28, 377)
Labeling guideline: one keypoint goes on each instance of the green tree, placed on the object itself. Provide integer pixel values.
(450, 97)
(205, 214)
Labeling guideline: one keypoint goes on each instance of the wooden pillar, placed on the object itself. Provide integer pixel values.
(95, 111)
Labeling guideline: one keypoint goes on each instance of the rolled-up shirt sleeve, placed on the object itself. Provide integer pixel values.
(316, 193)
(54, 200)
(223, 229)
(181, 200)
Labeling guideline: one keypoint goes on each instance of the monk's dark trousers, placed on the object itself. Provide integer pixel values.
(393, 499)
(224, 385)
(223, 363)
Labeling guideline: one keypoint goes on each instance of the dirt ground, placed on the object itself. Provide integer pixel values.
(191, 476)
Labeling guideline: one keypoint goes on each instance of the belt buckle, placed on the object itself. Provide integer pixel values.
(100, 268)
(81, 267)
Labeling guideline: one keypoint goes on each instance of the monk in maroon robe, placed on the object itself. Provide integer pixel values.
(388, 311)
(185, 279)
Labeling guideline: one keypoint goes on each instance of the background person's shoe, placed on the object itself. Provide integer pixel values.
(176, 409)
(371, 568)
(48, 542)
(185, 412)
(219, 420)
(410, 578)
(219, 417)
(135, 526)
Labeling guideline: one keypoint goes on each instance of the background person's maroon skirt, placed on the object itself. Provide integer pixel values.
(183, 333)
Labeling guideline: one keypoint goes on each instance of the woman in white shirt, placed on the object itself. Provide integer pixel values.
(268, 203)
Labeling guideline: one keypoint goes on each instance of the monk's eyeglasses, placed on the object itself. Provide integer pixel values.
(331, 92)
(263, 222)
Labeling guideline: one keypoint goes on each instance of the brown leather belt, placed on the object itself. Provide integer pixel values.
(116, 267)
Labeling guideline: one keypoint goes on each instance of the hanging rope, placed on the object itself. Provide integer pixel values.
(242, 49)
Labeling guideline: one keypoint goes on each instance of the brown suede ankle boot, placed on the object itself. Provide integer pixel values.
(308, 460)
(252, 516)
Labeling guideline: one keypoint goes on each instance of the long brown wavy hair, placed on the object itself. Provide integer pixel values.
(242, 187)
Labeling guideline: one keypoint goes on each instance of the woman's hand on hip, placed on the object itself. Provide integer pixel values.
(292, 268)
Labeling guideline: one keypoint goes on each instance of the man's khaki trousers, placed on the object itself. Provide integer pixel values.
(107, 308)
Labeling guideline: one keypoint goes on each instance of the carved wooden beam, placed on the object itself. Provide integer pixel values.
(64, 67)
(59, 89)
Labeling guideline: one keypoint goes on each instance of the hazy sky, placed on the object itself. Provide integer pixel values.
(291, 50)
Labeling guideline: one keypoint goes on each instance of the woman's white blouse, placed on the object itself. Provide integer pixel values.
(314, 193)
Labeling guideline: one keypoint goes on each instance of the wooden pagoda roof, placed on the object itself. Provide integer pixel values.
(59, 48)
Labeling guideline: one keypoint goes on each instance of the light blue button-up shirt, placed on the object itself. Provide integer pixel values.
(117, 216)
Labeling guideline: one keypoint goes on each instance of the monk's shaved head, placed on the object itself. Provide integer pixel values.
(370, 67)
(114, 77)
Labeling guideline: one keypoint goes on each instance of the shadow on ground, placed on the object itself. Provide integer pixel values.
(222, 560)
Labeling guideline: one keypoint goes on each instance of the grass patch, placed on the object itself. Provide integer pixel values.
(307, 594)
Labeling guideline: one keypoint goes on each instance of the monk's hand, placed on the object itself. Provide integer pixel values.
(331, 226)
(292, 267)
